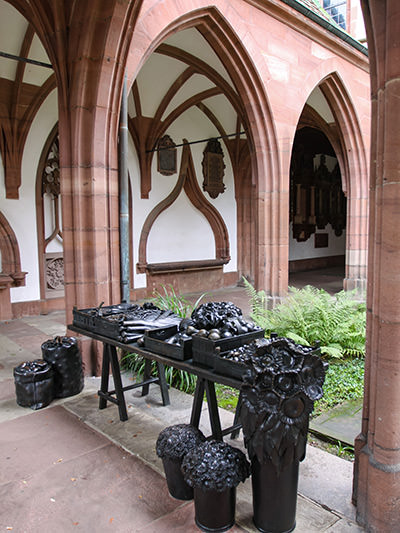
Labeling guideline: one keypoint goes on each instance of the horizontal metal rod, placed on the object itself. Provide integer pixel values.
(26, 60)
(195, 142)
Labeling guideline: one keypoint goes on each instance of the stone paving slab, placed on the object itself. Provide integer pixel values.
(92, 486)
(7, 389)
(147, 417)
(69, 439)
(327, 480)
(12, 354)
(342, 423)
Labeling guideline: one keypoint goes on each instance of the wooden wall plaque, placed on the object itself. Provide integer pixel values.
(166, 156)
(213, 168)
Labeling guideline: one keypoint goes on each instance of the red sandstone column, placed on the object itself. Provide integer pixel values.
(88, 119)
(377, 468)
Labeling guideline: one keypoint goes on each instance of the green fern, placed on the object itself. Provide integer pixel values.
(310, 314)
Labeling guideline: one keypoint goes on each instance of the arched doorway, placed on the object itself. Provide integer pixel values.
(329, 127)
(317, 240)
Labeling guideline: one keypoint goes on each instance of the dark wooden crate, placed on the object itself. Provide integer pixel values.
(203, 346)
(229, 368)
(154, 340)
(84, 318)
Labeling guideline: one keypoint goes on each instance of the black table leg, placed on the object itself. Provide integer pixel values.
(146, 376)
(163, 384)
(213, 410)
(105, 374)
(197, 402)
(123, 415)
(235, 432)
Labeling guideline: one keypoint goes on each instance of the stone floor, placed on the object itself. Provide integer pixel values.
(73, 467)
(341, 423)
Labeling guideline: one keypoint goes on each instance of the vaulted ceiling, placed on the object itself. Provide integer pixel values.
(23, 88)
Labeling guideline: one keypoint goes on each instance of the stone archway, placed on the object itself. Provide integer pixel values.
(344, 134)
(317, 237)
(48, 217)
(270, 248)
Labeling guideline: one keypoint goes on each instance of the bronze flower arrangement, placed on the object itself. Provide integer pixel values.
(280, 387)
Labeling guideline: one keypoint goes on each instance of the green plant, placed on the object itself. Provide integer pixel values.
(309, 314)
(344, 381)
(175, 378)
(167, 298)
(339, 449)
(344, 451)
(227, 397)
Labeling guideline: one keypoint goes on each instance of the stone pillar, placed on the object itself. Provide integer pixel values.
(89, 97)
(377, 467)
(356, 249)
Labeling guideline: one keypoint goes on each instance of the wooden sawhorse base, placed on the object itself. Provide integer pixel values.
(117, 396)
(217, 432)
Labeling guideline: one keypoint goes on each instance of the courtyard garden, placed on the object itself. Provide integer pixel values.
(307, 316)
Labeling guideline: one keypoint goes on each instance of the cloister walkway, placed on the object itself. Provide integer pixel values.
(71, 467)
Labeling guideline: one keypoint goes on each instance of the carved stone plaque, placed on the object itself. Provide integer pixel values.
(166, 156)
(213, 168)
(54, 274)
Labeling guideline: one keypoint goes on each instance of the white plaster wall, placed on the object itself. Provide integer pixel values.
(181, 232)
(193, 42)
(21, 214)
(318, 102)
(306, 250)
(151, 90)
(139, 212)
(56, 244)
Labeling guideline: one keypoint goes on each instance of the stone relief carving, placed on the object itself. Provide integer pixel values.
(55, 273)
(51, 173)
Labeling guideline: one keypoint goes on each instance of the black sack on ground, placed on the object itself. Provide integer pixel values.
(63, 354)
(34, 384)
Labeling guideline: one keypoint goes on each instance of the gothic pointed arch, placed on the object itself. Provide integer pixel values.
(10, 267)
(354, 169)
(10, 258)
(269, 268)
(49, 225)
(344, 134)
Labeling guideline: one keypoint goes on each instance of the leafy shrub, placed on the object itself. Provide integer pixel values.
(166, 298)
(344, 381)
(309, 314)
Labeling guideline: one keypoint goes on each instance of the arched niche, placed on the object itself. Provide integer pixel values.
(10, 271)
